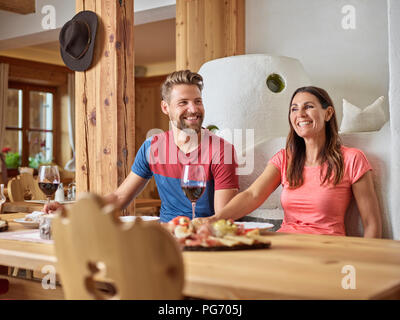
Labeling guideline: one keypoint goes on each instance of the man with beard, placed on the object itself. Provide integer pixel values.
(164, 155)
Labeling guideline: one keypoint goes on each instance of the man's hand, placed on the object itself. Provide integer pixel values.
(52, 207)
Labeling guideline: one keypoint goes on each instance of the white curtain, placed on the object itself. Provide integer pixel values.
(70, 166)
(3, 106)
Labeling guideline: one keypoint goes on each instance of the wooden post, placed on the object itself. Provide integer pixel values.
(105, 100)
(207, 30)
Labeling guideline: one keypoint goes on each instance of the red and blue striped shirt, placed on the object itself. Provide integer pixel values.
(160, 157)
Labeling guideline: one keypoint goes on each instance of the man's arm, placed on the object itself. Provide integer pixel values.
(127, 191)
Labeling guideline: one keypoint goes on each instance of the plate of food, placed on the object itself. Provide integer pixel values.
(28, 224)
(133, 218)
(221, 235)
(250, 225)
(31, 220)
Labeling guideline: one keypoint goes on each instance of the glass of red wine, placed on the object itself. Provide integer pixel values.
(49, 179)
(193, 183)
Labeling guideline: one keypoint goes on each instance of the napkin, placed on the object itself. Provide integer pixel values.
(34, 216)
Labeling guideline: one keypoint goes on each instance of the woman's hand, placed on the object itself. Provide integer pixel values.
(52, 207)
(200, 221)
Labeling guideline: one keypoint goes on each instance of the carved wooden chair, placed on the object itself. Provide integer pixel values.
(24, 187)
(99, 257)
(20, 188)
(26, 170)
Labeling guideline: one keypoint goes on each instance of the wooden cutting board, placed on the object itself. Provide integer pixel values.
(230, 243)
(241, 246)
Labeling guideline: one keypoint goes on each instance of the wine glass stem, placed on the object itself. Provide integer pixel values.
(193, 207)
(48, 200)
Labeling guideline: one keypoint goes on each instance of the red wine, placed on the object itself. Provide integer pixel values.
(193, 193)
(48, 188)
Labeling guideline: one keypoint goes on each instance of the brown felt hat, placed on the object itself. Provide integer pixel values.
(77, 39)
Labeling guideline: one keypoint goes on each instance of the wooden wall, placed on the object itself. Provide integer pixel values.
(148, 116)
(104, 101)
(36, 72)
(207, 30)
(65, 151)
(43, 74)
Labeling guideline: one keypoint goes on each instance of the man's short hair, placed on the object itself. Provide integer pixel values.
(180, 77)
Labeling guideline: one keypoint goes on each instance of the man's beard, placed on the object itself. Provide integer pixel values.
(196, 127)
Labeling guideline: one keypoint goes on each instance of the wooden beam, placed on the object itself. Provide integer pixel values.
(36, 72)
(18, 6)
(105, 101)
(207, 30)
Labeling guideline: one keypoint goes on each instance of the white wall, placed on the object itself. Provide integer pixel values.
(394, 100)
(16, 25)
(351, 64)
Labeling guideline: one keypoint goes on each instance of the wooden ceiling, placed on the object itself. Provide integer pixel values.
(18, 6)
(46, 52)
(154, 43)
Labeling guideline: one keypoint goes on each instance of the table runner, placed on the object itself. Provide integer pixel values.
(31, 235)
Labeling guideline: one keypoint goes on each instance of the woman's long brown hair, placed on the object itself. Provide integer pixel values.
(331, 153)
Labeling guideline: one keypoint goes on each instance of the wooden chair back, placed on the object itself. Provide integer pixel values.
(95, 250)
(26, 170)
(24, 187)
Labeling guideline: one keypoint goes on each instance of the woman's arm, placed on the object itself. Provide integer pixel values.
(368, 205)
(250, 199)
(222, 197)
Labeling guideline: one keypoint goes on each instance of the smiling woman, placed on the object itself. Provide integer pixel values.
(313, 120)
(318, 174)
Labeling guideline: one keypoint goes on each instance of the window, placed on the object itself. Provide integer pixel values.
(29, 125)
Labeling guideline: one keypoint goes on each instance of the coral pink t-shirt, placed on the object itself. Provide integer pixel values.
(317, 209)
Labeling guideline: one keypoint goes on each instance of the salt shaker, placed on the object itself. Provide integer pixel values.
(60, 193)
(45, 226)
(71, 192)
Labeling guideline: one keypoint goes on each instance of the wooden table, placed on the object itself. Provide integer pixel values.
(21, 206)
(28, 207)
(295, 267)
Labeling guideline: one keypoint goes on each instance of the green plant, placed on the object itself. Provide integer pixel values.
(13, 160)
(213, 128)
(37, 160)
